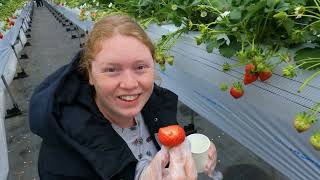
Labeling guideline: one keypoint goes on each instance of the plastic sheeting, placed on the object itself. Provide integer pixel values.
(72, 15)
(8, 63)
(4, 168)
(8, 73)
(11, 36)
(261, 120)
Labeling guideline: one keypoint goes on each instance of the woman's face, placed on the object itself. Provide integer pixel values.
(123, 76)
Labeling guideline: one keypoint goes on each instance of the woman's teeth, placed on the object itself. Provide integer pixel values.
(128, 98)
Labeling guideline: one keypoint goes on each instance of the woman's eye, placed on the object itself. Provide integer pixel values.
(141, 67)
(110, 69)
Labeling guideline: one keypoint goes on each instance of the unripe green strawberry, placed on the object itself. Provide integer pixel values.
(162, 67)
(170, 60)
(315, 140)
(223, 87)
(226, 67)
(303, 121)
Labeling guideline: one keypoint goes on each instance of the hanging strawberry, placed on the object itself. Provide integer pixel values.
(11, 23)
(236, 90)
(1, 35)
(315, 140)
(172, 135)
(303, 121)
(250, 78)
(265, 74)
(250, 68)
(250, 74)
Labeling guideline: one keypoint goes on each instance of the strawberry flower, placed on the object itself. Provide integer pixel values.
(223, 15)
(203, 13)
(299, 11)
(174, 7)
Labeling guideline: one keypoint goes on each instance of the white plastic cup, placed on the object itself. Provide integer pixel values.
(199, 148)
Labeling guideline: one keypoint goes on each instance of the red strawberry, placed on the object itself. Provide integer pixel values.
(11, 23)
(236, 90)
(265, 74)
(8, 20)
(172, 135)
(1, 35)
(249, 78)
(250, 68)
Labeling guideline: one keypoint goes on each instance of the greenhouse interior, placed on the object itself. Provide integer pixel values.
(243, 73)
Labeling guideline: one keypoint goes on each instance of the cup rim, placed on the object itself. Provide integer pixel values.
(207, 139)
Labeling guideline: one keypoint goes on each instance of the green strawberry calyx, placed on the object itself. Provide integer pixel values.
(237, 86)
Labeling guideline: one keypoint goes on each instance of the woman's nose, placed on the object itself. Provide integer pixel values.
(129, 81)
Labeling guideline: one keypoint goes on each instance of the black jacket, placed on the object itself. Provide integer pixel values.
(77, 141)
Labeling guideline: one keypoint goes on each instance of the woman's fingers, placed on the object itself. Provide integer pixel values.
(190, 167)
(212, 160)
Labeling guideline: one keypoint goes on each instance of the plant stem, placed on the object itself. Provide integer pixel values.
(317, 4)
(308, 80)
(314, 13)
(310, 24)
(307, 59)
(304, 63)
(306, 15)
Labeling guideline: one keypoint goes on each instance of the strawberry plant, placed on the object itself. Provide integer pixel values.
(304, 120)
(258, 33)
(8, 8)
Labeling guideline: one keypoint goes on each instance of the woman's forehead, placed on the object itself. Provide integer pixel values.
(122, 49)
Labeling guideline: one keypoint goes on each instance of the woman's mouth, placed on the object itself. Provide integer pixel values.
(129, 98)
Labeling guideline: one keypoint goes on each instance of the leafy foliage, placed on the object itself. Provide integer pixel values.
(8, 7)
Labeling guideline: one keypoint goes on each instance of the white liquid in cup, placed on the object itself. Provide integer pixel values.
(199, 148)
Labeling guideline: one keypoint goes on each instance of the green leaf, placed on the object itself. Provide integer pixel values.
(220, 4)
(254, 8)
(307, 58)
(316, 26)
(270, 3)
(235, 14)
(226, 51)
(288, 25)
(231, 49)
(211, 44)
(119, 1)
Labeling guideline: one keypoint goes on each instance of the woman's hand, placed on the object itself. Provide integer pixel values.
(156, 169)
(212, 160)
(182, 166)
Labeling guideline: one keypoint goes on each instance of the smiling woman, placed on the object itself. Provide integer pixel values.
(98, 115)
(122, 75)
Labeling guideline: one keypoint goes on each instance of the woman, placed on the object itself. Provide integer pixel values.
(98, 115)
